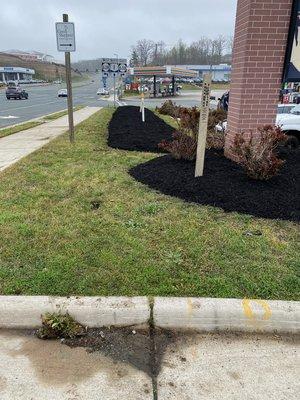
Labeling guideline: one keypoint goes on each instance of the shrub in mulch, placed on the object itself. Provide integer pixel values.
(225, 185)
(168, 108)
(182, 146)
(127, 131)
(215, 117)
(215, 140)
(190, 116)
(258, 155)
(188, 121)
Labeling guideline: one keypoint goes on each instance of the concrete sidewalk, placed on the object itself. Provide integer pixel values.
(49, 370)
(20, 144)
(231, 366)
(189, 366)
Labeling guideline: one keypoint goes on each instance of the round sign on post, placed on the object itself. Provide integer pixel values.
(122, 68)
(114, 67)
(105, 67)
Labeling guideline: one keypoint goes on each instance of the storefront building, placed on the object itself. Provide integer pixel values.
(258, 65)
(15, 74)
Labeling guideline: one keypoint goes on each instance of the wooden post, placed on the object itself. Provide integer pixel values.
(142, 106)
(203, 121)
(69, 89)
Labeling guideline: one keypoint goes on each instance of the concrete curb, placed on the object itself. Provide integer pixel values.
(233, 315)
(20, 312)
(198, 314)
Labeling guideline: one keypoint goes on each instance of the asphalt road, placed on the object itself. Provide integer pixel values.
(186, 99)
(43, 100)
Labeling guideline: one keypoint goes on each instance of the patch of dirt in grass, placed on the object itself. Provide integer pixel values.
(226, 185)
(127, 131)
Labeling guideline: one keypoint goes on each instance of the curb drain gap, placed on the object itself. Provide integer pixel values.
(153, 359)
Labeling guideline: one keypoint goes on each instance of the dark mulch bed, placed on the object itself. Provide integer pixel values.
(127, 131)
(225, 185)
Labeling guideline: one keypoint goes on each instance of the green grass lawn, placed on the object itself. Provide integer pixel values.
(132, 93)
(138, 242)
(59, 114)
(189, 86)
(214, 86)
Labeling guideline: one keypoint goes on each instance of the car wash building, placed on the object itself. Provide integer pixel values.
(266, 53)
(16, 74)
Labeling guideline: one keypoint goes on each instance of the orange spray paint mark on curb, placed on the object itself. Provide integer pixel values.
(250, 314)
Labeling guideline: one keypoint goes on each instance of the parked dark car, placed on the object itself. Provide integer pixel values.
(224, 101)
(14, 91)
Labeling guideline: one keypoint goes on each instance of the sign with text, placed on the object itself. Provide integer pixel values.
(65, 36)
(292, 61)
(203, 121)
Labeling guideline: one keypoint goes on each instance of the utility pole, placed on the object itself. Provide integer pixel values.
(69, 88)
(155, 54)
(115, 54)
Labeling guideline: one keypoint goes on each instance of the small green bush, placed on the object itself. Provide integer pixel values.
(57, 325)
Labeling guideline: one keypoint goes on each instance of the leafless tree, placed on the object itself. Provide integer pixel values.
(144, 50)
(203, 51)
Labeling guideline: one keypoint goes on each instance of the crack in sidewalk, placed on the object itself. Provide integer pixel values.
(153, 359)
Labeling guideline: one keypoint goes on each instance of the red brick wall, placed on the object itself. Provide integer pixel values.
(258, 56)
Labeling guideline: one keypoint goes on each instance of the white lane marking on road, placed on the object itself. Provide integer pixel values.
(33, 105)
(8, 117)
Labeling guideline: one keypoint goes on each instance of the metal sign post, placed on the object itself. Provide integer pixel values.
(65, 37)
(204, 112)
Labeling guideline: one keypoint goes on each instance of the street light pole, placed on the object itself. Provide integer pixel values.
(115, 54)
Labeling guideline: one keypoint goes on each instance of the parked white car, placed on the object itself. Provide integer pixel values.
(102, 92)
(288, 118)
(62, 93)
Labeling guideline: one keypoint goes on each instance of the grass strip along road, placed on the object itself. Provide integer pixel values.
(75, 222)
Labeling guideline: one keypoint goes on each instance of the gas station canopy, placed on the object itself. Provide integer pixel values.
(162, 72)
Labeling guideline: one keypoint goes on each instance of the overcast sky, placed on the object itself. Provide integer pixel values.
(104, 27)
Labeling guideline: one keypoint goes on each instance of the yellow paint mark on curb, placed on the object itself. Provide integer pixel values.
(250, 314)
(189, 307)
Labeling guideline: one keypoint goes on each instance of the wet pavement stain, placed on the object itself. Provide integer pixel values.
(56, 365)
(115, 352)
(3, 383)
(128, 346)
